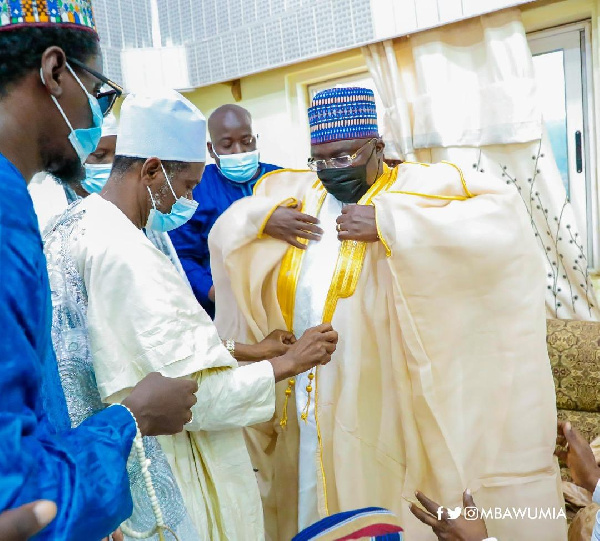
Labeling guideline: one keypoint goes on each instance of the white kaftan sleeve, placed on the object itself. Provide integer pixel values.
(143, 318)
(234, 398)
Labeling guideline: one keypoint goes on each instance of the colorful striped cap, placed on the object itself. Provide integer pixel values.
(337, 114)
(26, 13)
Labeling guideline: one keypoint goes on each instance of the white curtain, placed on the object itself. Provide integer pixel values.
(466, 93)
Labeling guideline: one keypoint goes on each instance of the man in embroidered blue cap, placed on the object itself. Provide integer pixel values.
(51, 112)
(430, 276)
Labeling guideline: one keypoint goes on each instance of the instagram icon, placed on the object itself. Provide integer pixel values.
(471, 513)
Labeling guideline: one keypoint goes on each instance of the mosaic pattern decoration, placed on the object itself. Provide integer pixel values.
(337, 114)
(19, 13)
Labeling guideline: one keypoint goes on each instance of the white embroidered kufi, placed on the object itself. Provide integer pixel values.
(163, 125)
(110, 126)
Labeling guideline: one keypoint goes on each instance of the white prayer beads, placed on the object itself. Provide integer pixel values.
(160, 526)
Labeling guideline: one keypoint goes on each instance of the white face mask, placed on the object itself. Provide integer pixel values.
(181, 212)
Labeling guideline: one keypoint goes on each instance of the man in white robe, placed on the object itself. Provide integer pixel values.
(441, 380)
(50, 199)
(129, 313)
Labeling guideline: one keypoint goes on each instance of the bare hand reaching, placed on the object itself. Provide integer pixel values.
(115, 536)
(447, 528)
(578, 456)
(289, 224)
(276, 344)
(162, 406)
(315, 347)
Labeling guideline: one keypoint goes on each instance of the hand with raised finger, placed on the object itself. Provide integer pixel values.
(451, 524)
(578, 456)
(289, 224)
(357, 222)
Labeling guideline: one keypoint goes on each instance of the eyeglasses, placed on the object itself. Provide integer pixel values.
(339, 162)
(105, 99)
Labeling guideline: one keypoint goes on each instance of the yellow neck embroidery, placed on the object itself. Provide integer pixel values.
(292, 261)
(287, 282)
(343, 285)
(345, 279)
(352, 253)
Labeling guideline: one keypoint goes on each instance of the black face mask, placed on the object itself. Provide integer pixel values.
(347, 185)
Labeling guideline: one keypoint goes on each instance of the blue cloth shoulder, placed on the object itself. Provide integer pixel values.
(82, 470)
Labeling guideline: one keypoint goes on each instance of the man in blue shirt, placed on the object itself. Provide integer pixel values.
(237, 169)
(49, 80)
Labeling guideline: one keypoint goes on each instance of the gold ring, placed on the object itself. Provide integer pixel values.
(338, 228)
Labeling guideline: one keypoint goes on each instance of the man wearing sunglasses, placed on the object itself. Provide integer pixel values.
(430, 275)
(50, 120)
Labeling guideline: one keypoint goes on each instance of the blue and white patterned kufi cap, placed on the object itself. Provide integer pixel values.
(337, 114)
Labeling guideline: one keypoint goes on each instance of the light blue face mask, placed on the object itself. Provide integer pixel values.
(181, 212)
(84, 140)
(239, 168)
(96, 176)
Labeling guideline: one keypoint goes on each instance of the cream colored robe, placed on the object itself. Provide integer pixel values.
(441, 379)
(143, 318)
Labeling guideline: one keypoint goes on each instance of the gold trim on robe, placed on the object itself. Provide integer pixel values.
(289, 202)
(384, 437)
(352, 253)
(292, 261)
(275, 171)
(345, 278)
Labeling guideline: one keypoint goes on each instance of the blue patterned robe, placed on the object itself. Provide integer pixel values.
(71, 342)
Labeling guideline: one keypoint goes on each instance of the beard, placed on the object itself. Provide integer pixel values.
(67, 172)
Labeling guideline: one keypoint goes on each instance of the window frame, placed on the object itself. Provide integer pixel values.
(589, 190)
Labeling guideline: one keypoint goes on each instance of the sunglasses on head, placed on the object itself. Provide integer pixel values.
(106, 99)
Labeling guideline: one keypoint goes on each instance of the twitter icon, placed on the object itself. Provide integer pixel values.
(453, 514)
